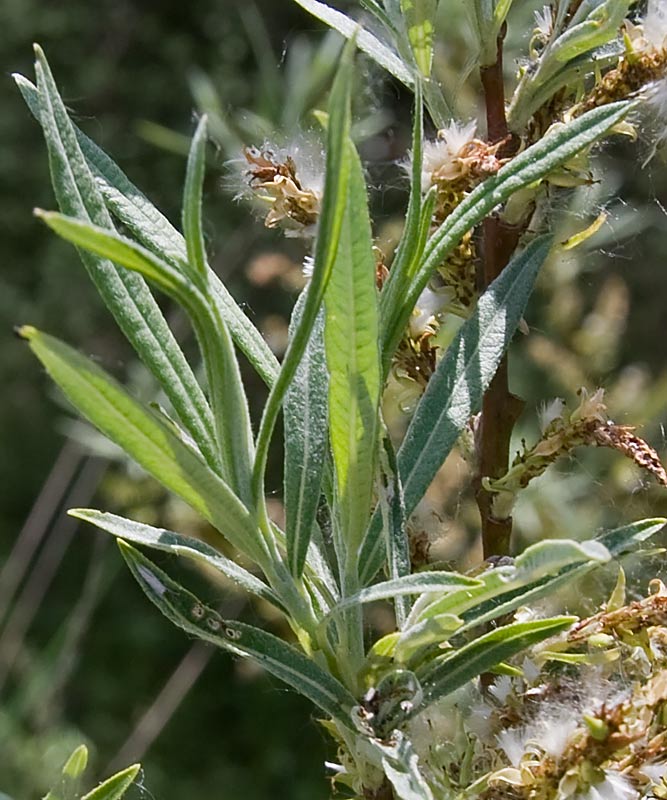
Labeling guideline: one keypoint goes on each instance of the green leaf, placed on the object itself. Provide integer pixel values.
(552, 151)
(353, 360)
(624, 540)
(125, 295)
(409, 250)
(115, 787)
(419, 16)
(400, 764)
(540, 570)
(417, 583)
(155, 232)
(501, 587)
(489, 16)
(232, 417)
(76, 764)
(370, 44)
(484, 653)
(192, 203)
(70, 776)
(455, 391)
(435, 629)
(391, 502)
(145, 438)
(326, 248)
(578, 52)
(178, 545)
(109, 244)
(305, 415)
(280, 659)
(379, 13)
(593, 25)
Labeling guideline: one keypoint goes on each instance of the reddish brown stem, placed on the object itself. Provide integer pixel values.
(500, 408)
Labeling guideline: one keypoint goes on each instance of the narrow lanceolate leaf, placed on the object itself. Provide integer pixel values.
(305, 415)
(593, 25)
(115, 787)
(391, 502)
(145, 438)
(125, 294)
(484, 653)
(417, 583)
(420, 22)
(150, 227)
(618, 543)
(280, 659)
(551, 152)
(455, 391)
(326, 248)
(178, 545)
(502, 589)
(70, 776)
(231, 415)
(76, 764)
(400, 764)
(192, 204)
(408, 247)
(353, 359)
(538, 572)
(371, 45)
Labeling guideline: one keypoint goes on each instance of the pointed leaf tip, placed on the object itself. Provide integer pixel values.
(77, 762)
(26, 332)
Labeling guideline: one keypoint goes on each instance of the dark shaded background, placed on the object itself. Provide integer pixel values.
(82, 655)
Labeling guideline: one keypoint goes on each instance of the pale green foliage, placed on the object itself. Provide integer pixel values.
(349, 492)
(112, 788)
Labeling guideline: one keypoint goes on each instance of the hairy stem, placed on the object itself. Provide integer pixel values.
(500, 409)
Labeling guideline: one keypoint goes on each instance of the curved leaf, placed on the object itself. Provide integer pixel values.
(552, 151)
(231, 414)
(125, 295)
(280, 659)
(370, 44)
(178, 545)
(455, 391)
(539, 570)
(192, 204)
(417, 583)
(115, 787)
(328, 236)
(150, 227)
(484, 653)
(145, 438)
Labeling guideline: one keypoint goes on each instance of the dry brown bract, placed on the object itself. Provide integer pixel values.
(276, 182)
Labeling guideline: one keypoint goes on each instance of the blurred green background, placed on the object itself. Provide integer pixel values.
(82, 656)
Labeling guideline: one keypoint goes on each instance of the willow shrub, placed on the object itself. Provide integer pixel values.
(444, 705)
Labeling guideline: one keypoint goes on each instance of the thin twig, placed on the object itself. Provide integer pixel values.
(46, 567)
(43, 511)
(170, 696)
